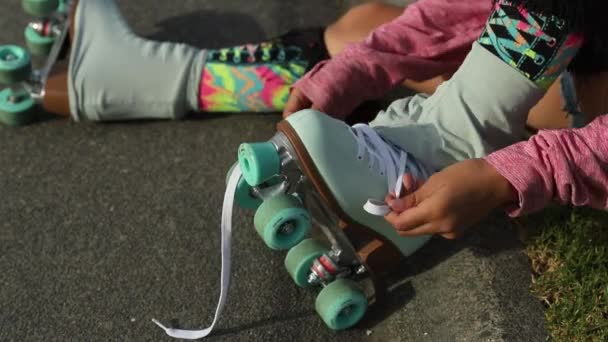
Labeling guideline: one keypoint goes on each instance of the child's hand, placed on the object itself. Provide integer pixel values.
(450, 201)
(297, 102)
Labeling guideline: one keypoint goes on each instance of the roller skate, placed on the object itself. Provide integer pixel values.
(26, 87)
(140, 79)
(319, 170)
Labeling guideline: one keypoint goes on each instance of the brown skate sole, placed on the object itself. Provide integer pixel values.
(56, 97)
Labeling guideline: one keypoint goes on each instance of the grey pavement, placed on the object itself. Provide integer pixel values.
(105, 226)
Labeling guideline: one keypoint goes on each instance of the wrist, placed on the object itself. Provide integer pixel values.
(503, 192)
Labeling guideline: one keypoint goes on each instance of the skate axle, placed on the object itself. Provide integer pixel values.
(8, 57)
(347, 310)
(18, 93)
(326, 269)
(361, 270)
(46, 27)
(287, 228)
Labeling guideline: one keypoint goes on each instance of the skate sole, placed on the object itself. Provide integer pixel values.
(60, 46)
(54, 77)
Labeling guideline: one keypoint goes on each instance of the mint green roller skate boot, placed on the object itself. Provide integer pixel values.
(337, 177)
(114, 74)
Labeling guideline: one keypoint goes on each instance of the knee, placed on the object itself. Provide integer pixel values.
(354, 17)
(357, 24)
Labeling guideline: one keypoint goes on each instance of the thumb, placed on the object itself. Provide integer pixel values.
(297, 101)
(402, 204)
(412, 187)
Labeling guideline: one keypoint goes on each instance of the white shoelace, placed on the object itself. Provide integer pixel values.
(226, 225)
(392, 162)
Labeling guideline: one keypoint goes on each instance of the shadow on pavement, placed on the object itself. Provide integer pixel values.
(209, 29)
(482, 242)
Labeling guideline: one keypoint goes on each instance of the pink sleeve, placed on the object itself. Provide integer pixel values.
(570, 166)
(430, 38)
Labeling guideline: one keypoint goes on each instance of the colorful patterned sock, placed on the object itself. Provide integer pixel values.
(257, 77)
(539, 46)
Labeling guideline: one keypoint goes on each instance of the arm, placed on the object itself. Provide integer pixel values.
(430, 38)
(537, 48)
(570, 166)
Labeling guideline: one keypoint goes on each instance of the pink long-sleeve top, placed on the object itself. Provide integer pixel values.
(430, 38)
(570, 166)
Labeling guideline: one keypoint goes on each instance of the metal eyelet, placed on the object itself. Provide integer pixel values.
(539, 60)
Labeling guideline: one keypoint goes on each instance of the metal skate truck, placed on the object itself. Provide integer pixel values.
(24, 87)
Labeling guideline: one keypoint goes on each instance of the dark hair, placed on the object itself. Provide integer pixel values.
(586, 17)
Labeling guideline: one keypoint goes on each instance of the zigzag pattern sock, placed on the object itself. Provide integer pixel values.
(539, 46)
(257, 77)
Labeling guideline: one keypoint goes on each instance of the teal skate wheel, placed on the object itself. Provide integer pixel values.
(341, 304)
(259, 162)
(282, 222)
(38, 45)
(40, 8)
(63, 6)
(243, 196)
(15, 64)
(16, 113)
(300, 258)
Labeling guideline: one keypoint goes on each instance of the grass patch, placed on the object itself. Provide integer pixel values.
(569, 253)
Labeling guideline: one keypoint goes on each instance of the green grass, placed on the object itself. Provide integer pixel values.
(569, 253)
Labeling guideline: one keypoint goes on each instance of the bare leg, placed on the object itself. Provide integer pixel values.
(358, 23)
(592, 93)
(548, 113)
